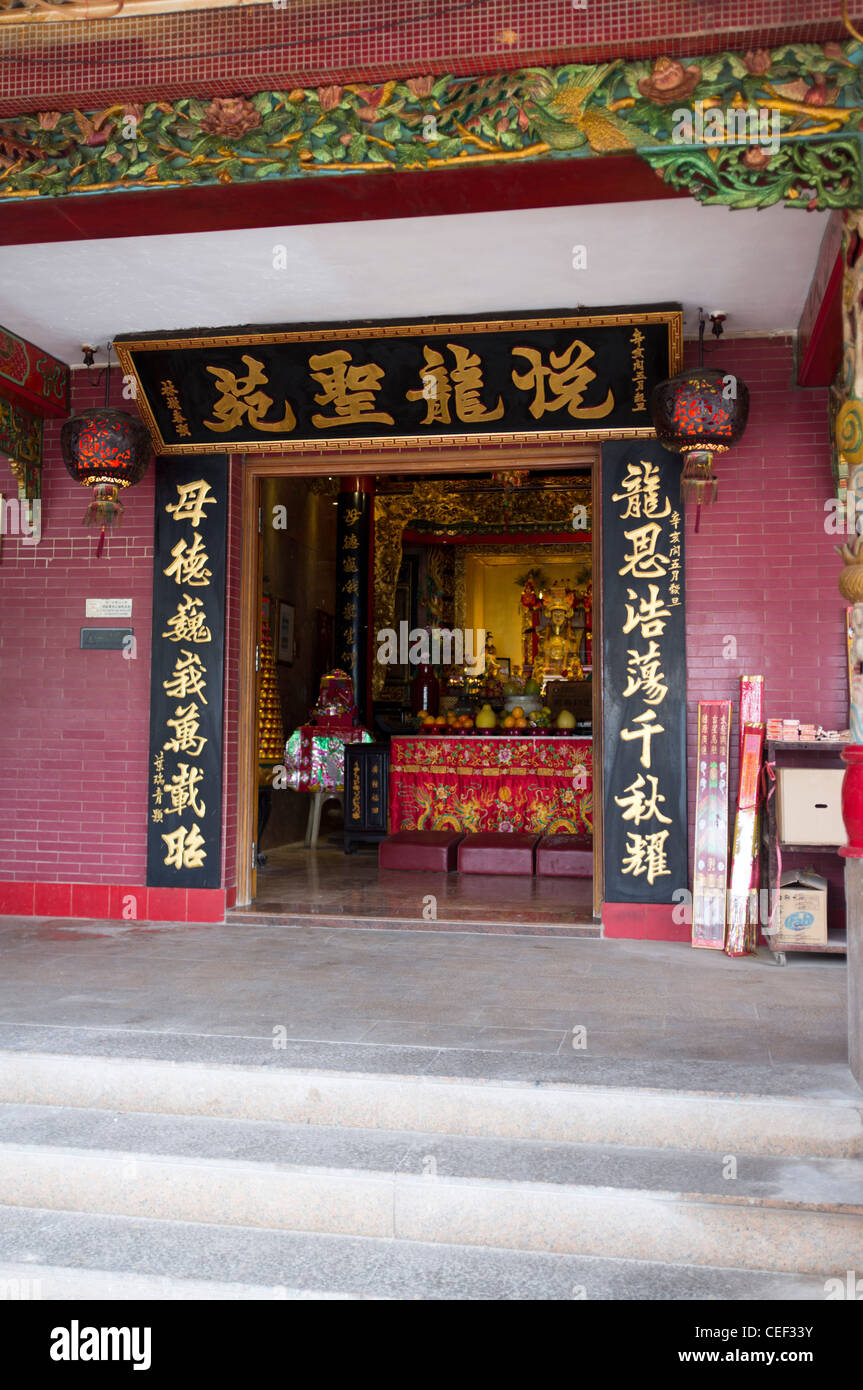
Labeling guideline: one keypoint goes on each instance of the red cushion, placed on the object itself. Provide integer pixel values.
(433, 850)
(565, 856)
(496, 852)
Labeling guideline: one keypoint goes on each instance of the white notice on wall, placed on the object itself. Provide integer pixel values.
(109, 608)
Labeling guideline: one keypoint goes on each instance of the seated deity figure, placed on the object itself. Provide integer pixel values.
(560, 634)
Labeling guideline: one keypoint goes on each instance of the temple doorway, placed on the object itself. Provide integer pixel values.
(473, 711)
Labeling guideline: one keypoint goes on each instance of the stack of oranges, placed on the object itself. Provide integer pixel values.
(448, 723)
(516, 719)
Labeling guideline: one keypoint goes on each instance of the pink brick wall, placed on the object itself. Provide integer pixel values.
(75, 725)
(762, 569)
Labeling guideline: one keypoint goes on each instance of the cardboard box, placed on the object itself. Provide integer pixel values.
(802, 915)
(809, 805)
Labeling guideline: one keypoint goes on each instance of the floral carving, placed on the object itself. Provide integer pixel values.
(230, 117)
(669, 82)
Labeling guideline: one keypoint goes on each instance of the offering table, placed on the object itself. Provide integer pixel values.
(534, 783)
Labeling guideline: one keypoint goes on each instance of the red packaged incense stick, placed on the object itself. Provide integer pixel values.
(711, 825)
(751, 704)
(742, 914)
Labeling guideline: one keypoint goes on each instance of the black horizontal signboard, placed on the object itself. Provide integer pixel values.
(553, 378)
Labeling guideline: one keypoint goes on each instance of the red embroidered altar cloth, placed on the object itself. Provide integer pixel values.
(499, 782)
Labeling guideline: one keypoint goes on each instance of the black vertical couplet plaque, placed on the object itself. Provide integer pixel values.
(643, 673)
(184, 818)
(352, 589)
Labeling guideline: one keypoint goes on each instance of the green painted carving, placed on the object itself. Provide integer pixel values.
(688, 119)
(825, 174)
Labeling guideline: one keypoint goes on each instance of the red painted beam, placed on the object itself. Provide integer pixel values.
(556, 182)
(32, 378)
(821, 352)
(819, 332)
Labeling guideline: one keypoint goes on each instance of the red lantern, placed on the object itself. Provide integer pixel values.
(700, 413)
(106, 450)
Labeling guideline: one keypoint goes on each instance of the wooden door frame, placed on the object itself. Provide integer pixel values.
(462, 459)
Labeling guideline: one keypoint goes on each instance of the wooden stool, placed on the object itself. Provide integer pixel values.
(319, 799)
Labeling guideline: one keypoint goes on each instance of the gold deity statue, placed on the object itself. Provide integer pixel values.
(560, 634)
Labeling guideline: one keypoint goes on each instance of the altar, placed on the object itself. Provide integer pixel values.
(501, 782)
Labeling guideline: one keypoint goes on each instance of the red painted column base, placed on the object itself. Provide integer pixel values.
(114, 902)
(644, 922)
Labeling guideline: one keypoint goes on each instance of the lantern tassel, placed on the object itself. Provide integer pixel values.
(105, 511)
(698, 482)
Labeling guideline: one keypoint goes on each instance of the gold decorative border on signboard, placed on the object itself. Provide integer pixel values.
(125, 348)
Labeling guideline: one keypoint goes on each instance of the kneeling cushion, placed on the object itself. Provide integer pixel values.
(497, 852)
(429, 850)
(565, 856)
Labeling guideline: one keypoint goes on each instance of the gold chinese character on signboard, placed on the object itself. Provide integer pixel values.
(351, 587)
(349, 565)
(352, 516)
(648, 728)
(650, 614)
(646, 855)
(645, 561)
(562, 384)
(640, 491)
(464, 381)
(188, 623)
(186, 737)
(236, 402)
(350, 390)
(350, 610)
(185, 848)
(188, 677)
(189, 565)
(193, 498)
(638, 805)
(644, 672)
(183, 790)
(351, 542)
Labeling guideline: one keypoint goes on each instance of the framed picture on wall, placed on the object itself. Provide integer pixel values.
(503, 666)
(285, 643)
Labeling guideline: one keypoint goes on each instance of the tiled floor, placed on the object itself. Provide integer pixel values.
(645, 1008)
(349, 890)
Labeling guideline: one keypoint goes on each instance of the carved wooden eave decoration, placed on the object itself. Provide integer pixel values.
(806, 153)
(34, 386)
(65, 11)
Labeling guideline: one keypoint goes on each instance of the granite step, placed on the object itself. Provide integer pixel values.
(50, 1254)
(624, 1202)
(435, 1092)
